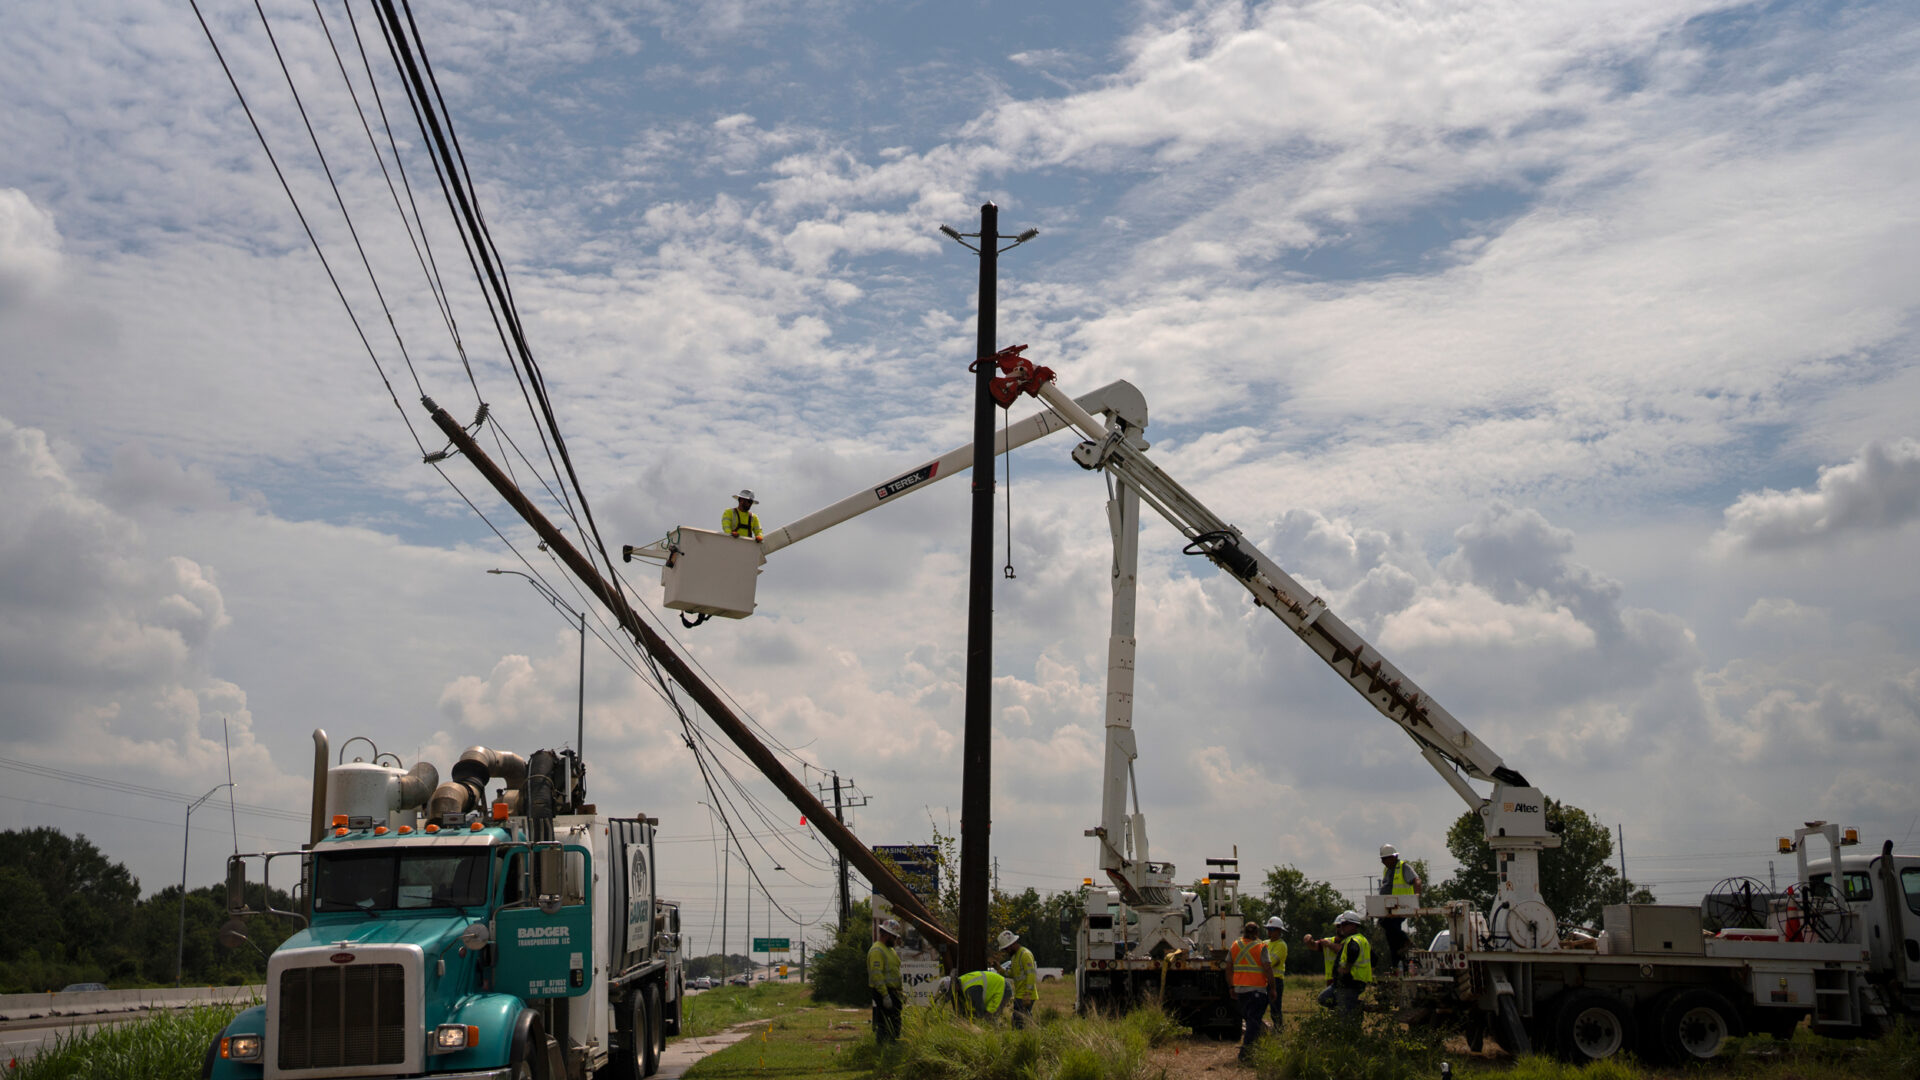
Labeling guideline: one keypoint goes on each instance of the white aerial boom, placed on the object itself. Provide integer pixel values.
(1512, 813)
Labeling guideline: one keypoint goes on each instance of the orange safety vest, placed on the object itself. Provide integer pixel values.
(1246, 957)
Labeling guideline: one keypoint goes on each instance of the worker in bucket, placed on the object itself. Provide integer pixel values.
(1396, 879)
(1024, 975)
(740, 520)
(1251, 976)
(1276, 959)
(883, 982)
(1352, 956)
(977, 995)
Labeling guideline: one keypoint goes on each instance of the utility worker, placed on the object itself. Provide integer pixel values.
(1351, 955)
(1251, 976)
(977, 995)
(883, 982)
(1024, 974)
(1396, 879)
(740, 520)
(1277, 959)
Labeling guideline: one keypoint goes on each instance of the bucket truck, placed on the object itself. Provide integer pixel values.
(454, 935)
(1651, 981)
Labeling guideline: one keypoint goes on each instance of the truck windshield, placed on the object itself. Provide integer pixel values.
(399, 881)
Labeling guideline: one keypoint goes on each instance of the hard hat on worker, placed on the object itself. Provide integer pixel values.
(1387, 852)
(1007, 939)
(891, 926)
(746, 496)
(1348, 917)
(1275, 923)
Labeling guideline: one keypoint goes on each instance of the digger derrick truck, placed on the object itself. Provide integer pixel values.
(453, 935)
(1651, 981)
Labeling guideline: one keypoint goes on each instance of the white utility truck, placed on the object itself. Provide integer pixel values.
(1652, 981)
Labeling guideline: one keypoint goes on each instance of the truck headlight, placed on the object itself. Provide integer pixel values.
(240, 1047)
(450, 1037)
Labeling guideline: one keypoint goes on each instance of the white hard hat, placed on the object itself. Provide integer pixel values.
(1275, 923)
(891, 926)
(1348, 916)
(1387, 852)
(747, 495)
(1007, 939)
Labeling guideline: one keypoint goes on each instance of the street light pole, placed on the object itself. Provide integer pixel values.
(976, 758)
(580, 722)
(180, 954)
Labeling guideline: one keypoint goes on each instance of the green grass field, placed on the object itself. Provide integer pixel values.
(164, 1046)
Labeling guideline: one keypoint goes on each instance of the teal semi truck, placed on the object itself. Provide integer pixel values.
(453, 934)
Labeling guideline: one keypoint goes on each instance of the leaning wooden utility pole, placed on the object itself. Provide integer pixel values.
(710, 702)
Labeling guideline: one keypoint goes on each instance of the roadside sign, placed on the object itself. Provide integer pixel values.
(771, 944)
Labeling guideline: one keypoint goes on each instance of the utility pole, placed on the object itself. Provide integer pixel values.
(1626, 893)
(844, 800)
(976, 760)
(180, 955)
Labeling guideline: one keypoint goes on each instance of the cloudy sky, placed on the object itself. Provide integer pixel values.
(1569, 350)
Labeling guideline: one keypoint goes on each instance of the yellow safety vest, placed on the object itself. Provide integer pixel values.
(1277, 956)
(883, 968)
(1246, 962)
(992, 983)
(1362, 967)
(1400, 886)
(1025, 974)
(1327, 954)
(733, 524)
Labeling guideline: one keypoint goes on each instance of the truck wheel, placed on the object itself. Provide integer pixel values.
(646, 1060)
(527, 1059)
(1591, 1026)
(1508, 1029)
(1694, 1025)
(657, 1007)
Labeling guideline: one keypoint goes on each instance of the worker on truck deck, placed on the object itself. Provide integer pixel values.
(1277, 959)
(1024, 974)
(1396, 879)
(1351, 955)
(1251, 976)
(740, 520)
(883, 982)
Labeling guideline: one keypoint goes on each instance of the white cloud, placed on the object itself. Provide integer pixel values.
(29, 248)
(1878, 490)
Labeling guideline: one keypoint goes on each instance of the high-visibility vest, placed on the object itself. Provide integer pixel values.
(1277, 956)
(1361, 969)
(883, 968)
(1025, 975)
(733, 524)
(1327, 954)
(992, 984)
(1245, 956)
(1399, 879)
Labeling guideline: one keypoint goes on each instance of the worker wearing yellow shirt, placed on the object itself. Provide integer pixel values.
(883, 982)
(1024, 975)
(1277, 959)
(739, 520)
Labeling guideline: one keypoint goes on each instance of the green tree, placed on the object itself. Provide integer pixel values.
(93, 895)
(1576, 878)
(1306, 906)
(838, 971)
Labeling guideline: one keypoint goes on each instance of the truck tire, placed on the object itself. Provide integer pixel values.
(526, 1060)
(1590, 1026)
(1692, 1025)
(658, 1007)
(646, 1054)
(1509, 1030)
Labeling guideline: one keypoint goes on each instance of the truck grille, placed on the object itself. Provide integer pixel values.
(344, 1015)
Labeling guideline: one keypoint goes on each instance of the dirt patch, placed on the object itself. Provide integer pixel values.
(1188, 1060)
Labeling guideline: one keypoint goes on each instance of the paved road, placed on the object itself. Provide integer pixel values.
(23, 1039)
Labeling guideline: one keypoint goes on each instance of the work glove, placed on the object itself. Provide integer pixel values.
(893, 1000)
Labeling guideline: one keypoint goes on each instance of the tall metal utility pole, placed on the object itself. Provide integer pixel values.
(976, 757)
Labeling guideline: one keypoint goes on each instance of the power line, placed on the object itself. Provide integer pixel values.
(141, 790)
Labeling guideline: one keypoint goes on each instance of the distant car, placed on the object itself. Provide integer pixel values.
(1442, 941)
(701, 983)
(1048, 974)
(82, 988)
(739, 980)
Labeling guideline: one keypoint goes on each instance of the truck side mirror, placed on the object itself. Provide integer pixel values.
(236, 885)
(549, 876)
(233, 933)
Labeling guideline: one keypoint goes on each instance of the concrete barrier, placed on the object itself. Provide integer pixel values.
(98, 1002)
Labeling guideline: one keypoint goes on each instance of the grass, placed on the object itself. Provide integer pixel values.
(164, 1046)
(799, 1038)
(716, 1010)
